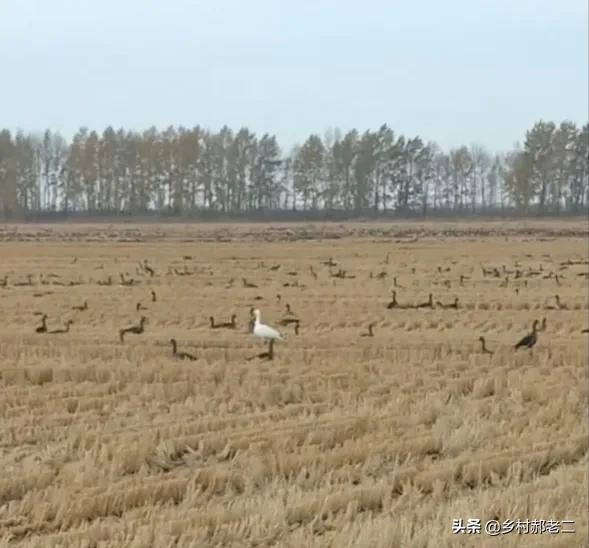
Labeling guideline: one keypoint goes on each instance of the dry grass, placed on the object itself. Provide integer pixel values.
(341, 440)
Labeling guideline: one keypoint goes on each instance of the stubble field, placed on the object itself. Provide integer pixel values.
(342, 440)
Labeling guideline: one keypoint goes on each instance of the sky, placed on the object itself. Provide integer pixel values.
(453, 71)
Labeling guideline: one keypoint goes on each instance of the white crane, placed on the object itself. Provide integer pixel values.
(264, 331)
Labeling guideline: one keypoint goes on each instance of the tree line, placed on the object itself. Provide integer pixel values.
(182, 171)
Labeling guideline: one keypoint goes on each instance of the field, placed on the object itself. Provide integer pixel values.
(342, 440)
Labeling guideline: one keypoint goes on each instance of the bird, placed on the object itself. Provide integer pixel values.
(484, 348)
(148, 268)
(428, 304)
(126, 282)
(394, 303)
(43, 327)
(559, 304)
(370, 332)
(289, 311)
(180, 355)
(268, 355)
(134, 329)
(82, 307)
(530, 339)
(451, 305)
(153, 296)
(139, 307)
(228, 325)
(288, 321)
(248, 284)
(264, 331)
(63, 330)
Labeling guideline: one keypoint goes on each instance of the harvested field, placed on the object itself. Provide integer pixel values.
(342, 440)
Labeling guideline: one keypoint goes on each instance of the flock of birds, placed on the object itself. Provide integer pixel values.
(271, 335)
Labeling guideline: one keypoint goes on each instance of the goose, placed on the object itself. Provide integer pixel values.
(394, 303)
(82, 307)
(139, 307)
(428, 304)
(484, 348)
(559, 304)
(43, 327)
(148, 268)
(227, 325)
(134, 329)
(108, 281)
(153, 296)
(64, 330)
(530, 339)
(264, 331)
(180, 355)
(451, 305)
(288, 321)
(268, 355)
(248, 284)
(370, 331)
(289, 311)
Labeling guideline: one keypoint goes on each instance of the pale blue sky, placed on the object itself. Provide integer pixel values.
(453, 71)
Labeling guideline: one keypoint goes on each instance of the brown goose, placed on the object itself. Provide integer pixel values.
(226, 325)
(180, 355)
(394, 303)
(134, 329)
(66, 329)
(428, 304)
(370, 332)
(484, 348)
(268, 355)
(450, 305)
(43, 327)
(530, 339)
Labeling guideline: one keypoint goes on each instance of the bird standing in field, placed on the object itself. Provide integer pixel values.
(180, 355)
(134, 329)
(484, 348)
(63, 330)
(530, 339)
(263, 331)
(43, 327)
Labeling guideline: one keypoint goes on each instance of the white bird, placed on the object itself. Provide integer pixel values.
(264, 331)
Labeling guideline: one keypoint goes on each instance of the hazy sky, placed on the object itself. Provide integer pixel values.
(454, 71)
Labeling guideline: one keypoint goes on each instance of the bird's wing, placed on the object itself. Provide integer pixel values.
(262, 330)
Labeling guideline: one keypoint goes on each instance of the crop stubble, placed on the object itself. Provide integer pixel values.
(342, 440)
